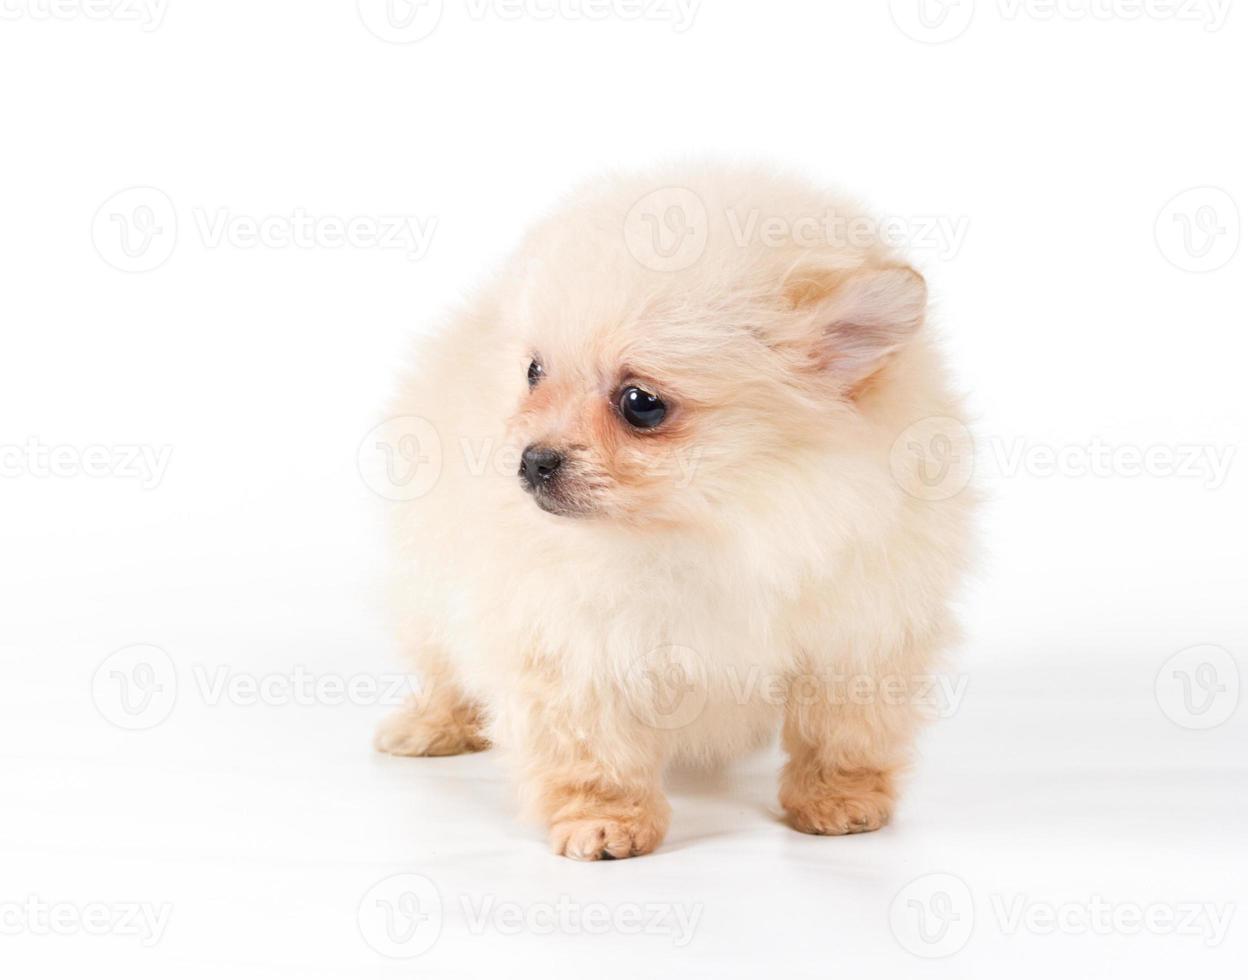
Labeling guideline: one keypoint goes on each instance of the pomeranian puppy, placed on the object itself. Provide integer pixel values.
(678, 509)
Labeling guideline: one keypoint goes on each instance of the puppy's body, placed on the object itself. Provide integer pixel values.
(751, 562)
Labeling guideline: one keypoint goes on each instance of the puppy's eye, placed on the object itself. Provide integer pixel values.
(535, 372)
(641, 409)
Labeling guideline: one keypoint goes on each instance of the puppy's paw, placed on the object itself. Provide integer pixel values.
(836, 801)
(411, 732)
(836, 815)
(607, 837)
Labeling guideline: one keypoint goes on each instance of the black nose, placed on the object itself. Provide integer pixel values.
(538, 465)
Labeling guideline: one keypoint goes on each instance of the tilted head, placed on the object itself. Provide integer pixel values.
(682, 340)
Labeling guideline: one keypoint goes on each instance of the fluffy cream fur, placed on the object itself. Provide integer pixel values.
(688, 590)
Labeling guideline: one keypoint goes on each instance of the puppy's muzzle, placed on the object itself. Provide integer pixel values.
(538, 466)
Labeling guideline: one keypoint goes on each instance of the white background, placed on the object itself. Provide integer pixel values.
(1071, 151)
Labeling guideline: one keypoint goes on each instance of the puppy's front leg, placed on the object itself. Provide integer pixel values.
(595, 777)
(847, 743)
(440, 720)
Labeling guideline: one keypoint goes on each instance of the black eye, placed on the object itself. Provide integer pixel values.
(535, 373)
(641, 409)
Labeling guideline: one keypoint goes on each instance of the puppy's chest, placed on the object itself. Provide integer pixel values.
(721, 615)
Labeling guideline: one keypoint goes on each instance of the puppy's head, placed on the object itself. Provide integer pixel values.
(653, 394)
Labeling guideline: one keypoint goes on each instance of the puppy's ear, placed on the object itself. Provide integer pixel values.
(854, 320)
